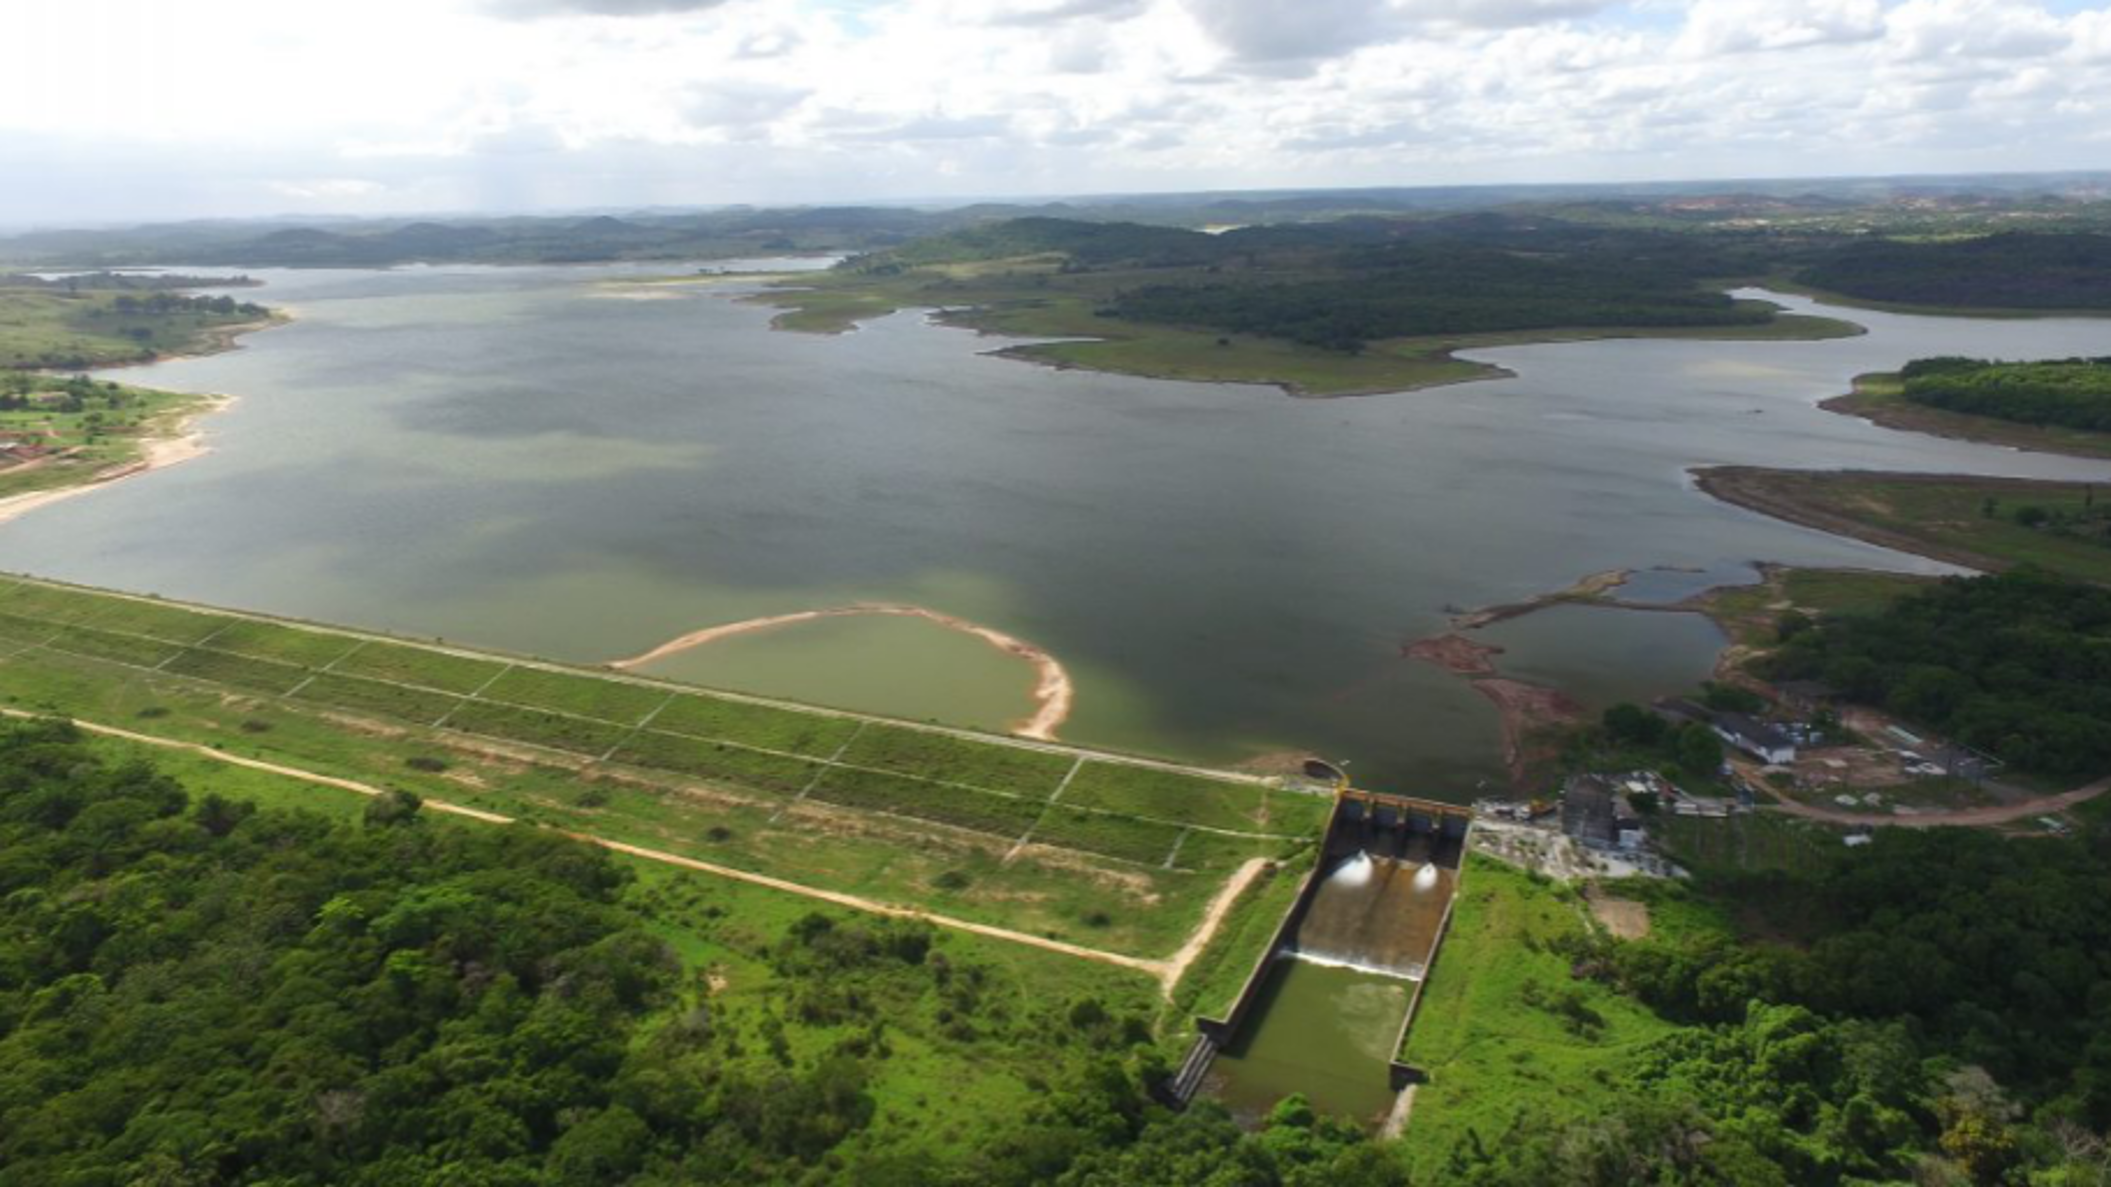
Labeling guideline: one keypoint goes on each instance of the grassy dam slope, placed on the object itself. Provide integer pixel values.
(1116, 854)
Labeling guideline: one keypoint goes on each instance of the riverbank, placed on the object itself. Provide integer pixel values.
(1878, 397)
(1966, 520)
(171, 436)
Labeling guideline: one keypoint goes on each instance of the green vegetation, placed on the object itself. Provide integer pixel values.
(1925, 1009)
(976, 811)
(1173, 795)
(2013, 271)
(706, 779)
(2018, 665)
(421, 666)
(1350, 306)
(206, 986)
(586, 696)
(1979, 522)
(75, 324)
(58, 432)
(2065, 393)
(1031, 773)
(718, 761)
(1503, 1028)
(1880, 397)
(1212, 983)
(1752, 613)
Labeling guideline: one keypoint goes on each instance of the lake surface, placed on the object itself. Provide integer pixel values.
(523, 459)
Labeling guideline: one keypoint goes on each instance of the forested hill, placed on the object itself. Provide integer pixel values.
(2008, 271)
(1348, 282)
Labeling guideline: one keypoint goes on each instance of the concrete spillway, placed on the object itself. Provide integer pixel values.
(1380, 915)
(1325, 1013)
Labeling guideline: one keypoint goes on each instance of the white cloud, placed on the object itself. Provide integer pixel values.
(832, 100)
(1739, 26)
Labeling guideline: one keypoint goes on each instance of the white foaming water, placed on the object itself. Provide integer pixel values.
(1425, 879)
(1354, 872)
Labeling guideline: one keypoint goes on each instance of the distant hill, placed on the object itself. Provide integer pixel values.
(2020, 270)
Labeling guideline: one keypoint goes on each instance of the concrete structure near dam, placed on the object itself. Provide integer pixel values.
(1326, 1009)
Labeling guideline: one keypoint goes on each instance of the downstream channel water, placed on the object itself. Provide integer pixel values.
(533, 460)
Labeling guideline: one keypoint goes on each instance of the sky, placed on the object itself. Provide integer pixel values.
(135, 110)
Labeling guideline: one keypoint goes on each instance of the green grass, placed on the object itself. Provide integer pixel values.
(554, 730)
(1943, 516)
(1120, 837)
(421, 666)
(1170, 795)
(586, 696)
(291, 645)
(172, 623)
(1750, 613)
(372, 696)
(42, 327)
(765, 726)
(127, 649)
(717, 761)
(1212, 983)
(53, 604)
(252, 675)
(930, 755)
(664, 790)
(1489, 1053)
(999, 816)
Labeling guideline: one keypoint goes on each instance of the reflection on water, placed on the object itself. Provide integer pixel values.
(1326, 1031)
(499, 457)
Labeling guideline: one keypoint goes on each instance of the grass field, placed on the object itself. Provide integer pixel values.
(1749, 613)
(712, 777)
(1489, 1050)
(420, 666)
(1958, 518)
(1879, 397)
(42, 327)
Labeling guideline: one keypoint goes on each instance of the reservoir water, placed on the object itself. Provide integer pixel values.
(530, 460)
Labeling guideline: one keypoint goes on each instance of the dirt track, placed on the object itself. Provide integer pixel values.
(1957, 818)
(1166, 972)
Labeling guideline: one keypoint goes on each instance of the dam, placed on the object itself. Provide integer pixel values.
(1325, 1011)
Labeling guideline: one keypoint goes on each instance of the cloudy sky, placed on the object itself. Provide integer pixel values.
(132, 109)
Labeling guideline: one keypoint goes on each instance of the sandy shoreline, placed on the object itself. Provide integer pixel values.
(1053, 690)
(185, 441)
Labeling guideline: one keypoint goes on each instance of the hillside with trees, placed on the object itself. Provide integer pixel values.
(2018, 665)
(2070, 393)
(2015, 270)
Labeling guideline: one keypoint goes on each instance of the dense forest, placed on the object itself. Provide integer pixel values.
(2070, 393)
(1413, 291)
(1347, 282)
(2018, 665)
(2017, 270)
